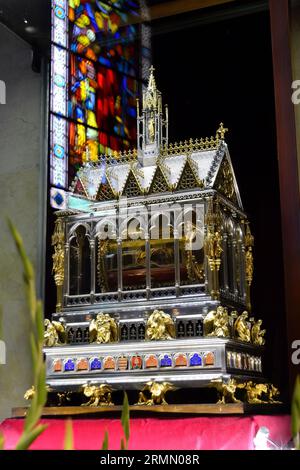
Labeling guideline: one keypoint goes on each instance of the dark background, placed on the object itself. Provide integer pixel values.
(222, 71)
(211, 70)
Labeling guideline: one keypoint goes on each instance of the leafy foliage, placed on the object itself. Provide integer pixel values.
(31, 427)
(296, 414)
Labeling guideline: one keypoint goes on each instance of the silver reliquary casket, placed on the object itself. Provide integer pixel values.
(153, 265)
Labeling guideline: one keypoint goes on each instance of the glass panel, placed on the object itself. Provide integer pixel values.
(134, 258)
(162, 254)
(191, 250)
(80, 263)
(107, 266)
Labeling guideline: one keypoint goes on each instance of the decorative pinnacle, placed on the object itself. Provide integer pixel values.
(151, 83)
(220, 134)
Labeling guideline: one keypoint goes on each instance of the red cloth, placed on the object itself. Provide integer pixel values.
(199, 433)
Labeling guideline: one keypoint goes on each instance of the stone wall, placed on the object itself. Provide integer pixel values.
(21, 154)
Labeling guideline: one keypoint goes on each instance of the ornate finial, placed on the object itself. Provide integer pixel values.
(151, 82)
(220, 134)
(151, 96)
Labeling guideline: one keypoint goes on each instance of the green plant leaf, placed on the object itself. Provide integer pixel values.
(69, 437)
(2, 440)
(295, 413)
(105, 441)
(40, 321)
(28, 438)
(123, 446)
(125, 418)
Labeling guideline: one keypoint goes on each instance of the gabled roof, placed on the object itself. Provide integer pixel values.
(203, 164)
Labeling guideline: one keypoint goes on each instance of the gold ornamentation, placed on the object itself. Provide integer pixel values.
(103, 246)
(151, 130)
(272, 394)
(157, 392)
(255, 392)
(226, 390)
(213, 248)
(187, 147)
(195, 269)
(63, 398)
(103, 329)
(216, 323)
(58, 240)
(257, 335)
(99, 395)
(160, 326)
(242, 329)
(249, 242)
(220, 134)
(55, 333)
(151, 96)
(225, 181)
(29, 394)
(213, 239)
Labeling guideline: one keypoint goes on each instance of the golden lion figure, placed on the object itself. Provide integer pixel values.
(157, 392)
(255, 392)
(226, 390)
(160, 325)
(55, 333)
(99, 395)
(103, 329)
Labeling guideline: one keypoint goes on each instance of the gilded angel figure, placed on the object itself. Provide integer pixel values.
(103, 329)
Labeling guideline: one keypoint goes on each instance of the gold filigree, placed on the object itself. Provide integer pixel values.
(58, 240)
(255, 392)
(225, 181)
(242, 329)
(103, 329)
(55, 333)
(226, 390)
(249, 242)
(216, 323)
(213, 248)
(160, 326)
(99, 395)
(157, 393)
(221, 131)
(103, 246)
(257, 335)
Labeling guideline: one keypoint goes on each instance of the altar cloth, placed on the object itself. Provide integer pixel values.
(180, 433)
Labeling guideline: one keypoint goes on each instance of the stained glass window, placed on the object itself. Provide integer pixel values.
(99, 50)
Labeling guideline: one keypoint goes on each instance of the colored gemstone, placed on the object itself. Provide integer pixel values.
(136, 362)
(166, 361)
(59, 80)
(58, 199)
(96, 364)
(82, 364)
(60, 13)
(57, 366)
(109, 363)
(180, 360)
(209, 359)
(59, 151)
(69, 365)
(151, 362)
(195, 360)
(122, 363)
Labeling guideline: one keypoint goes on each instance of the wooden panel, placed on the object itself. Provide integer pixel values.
(288, 170)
